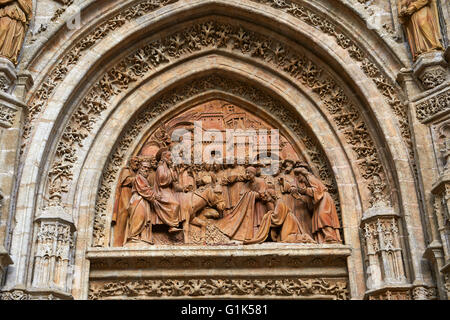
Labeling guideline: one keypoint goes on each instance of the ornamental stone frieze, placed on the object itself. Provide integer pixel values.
(202, 36)
(277, 271)
(330, 289)
(433, 106)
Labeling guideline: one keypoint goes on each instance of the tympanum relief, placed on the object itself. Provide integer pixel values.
(218, 174)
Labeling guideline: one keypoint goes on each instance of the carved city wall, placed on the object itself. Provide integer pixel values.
(354, 94)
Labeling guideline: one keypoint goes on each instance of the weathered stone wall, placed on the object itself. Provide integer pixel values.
(337, 76)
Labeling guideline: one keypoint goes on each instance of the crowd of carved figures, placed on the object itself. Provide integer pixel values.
(291, 206)
(252, 199)
(14, 19)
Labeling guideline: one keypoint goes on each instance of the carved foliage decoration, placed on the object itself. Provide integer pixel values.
(207, 35)
(433, 77)
(392, 295)
(220, 287)
(7, 115)
(432, 106)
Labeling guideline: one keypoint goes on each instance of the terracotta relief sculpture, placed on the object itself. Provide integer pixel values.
(162, 201)
(421, 22)
(15, 16)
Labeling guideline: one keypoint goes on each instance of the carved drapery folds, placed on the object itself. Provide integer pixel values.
(433, 106)
(215, 288)
(380, 234)
(14, 19)
(54, 250)
(7, 115)
(421, 21)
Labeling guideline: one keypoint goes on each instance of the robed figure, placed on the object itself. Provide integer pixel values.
(14, 18)
(122, 201)
(325, 221)
(421, 22)
(167, 204)
(244, 220)
(282, 225)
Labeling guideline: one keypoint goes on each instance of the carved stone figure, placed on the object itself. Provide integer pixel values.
(14, 18)
(282, 225)
(122, 201)
(325, 221)
(243, 222)
(302, 206)
(421, 22)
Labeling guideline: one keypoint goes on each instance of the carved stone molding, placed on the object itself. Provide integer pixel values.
(424, 293)
(433, 106)
(7, 115)
(207, 35)
(336, 289)
(273, 256)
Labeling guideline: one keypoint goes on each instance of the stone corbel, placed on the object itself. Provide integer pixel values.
(431, 69)
(383, 254)
(53, 251)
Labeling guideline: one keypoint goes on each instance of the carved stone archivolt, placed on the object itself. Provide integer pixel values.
(433, 106)
(215, 82)
(204, 35)
(336, 289)
(7, 115)
(368, 66)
